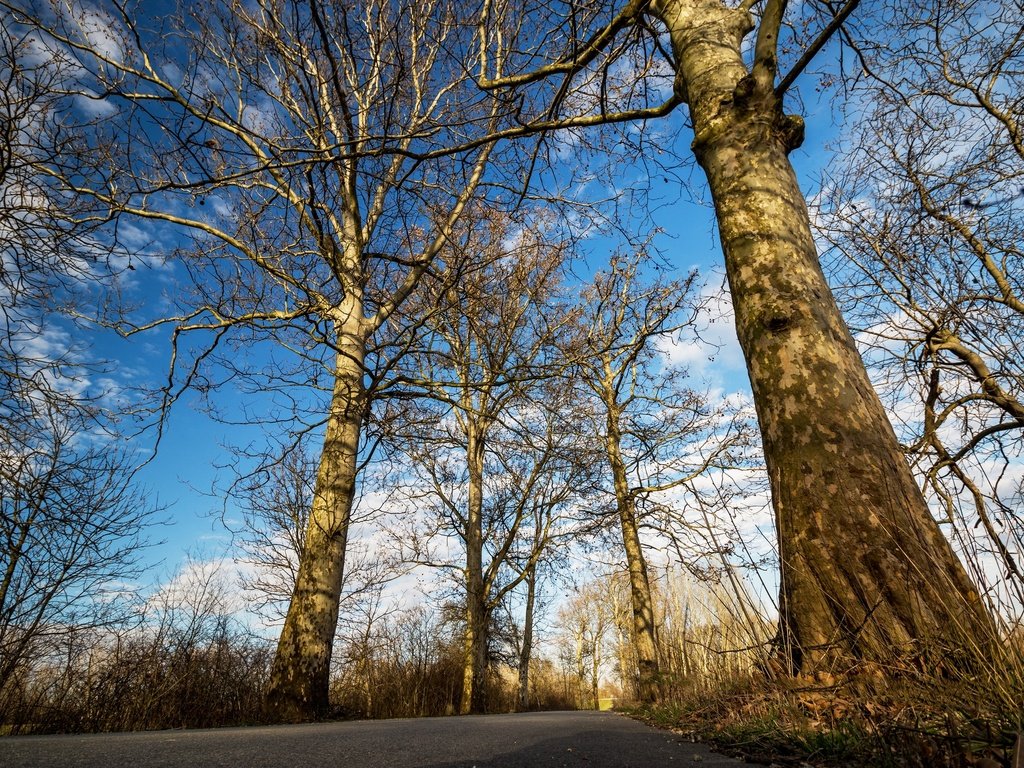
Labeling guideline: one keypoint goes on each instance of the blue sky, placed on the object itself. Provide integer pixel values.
(184, 475)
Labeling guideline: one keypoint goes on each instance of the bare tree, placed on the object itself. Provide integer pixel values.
(487, 445)
(546, 458)
(925, 218)
(585, 620)
(71, 528)
(528, 621)
(659, 435)
(72, 521)
(526, 639)
(866, 571)
(298, 158)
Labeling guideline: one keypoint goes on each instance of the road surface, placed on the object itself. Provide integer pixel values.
(531, 740)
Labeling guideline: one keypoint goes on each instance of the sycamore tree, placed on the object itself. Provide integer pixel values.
(866, 573)
(300, 165)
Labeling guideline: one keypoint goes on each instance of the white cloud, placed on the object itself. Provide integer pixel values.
(91, 106)
(715, 352)
(98, 29)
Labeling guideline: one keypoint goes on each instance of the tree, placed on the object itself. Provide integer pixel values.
(488, 445)
(552, 439)
(585, 621)
(866, 571)
(658, 435)
(526, 640)
(298, 158)
(71, 528)
(525, 628)
(72, 521)
(924, 218)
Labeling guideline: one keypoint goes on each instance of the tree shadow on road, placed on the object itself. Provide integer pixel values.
(599, 749)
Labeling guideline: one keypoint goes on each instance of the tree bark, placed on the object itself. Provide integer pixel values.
(645, 636)
(866, 573)
(475, 647)
(300, 675)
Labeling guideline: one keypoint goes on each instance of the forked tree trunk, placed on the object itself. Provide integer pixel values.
(645, 638)
(866, 573)
(475, 641)
(300, 674)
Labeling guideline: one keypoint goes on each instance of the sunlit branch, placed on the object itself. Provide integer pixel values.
(815, 47)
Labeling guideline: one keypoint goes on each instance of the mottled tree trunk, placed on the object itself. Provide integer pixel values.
(527, 650)
(475, 646)
(299, 679)
(645, 636)
(866, 572)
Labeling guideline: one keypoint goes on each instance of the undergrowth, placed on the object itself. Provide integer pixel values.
(909, 722)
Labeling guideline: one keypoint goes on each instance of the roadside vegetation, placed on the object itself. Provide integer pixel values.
(898, 717)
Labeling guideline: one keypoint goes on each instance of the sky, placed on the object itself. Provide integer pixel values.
(187, 474)
(188, 467)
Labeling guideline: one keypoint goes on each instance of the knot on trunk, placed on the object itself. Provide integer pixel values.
(776, 324)
(790, 130)
(744, 91)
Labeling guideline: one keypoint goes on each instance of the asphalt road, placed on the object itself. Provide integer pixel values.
(531, 740)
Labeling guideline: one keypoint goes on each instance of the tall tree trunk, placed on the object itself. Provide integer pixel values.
(475, 647)
(627, 676)
(300, 674)
(866, 572)
(527, 650)
(581, 670)
(645, 636)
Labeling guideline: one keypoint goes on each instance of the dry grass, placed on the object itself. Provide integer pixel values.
(718, 686)
(905, 719)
